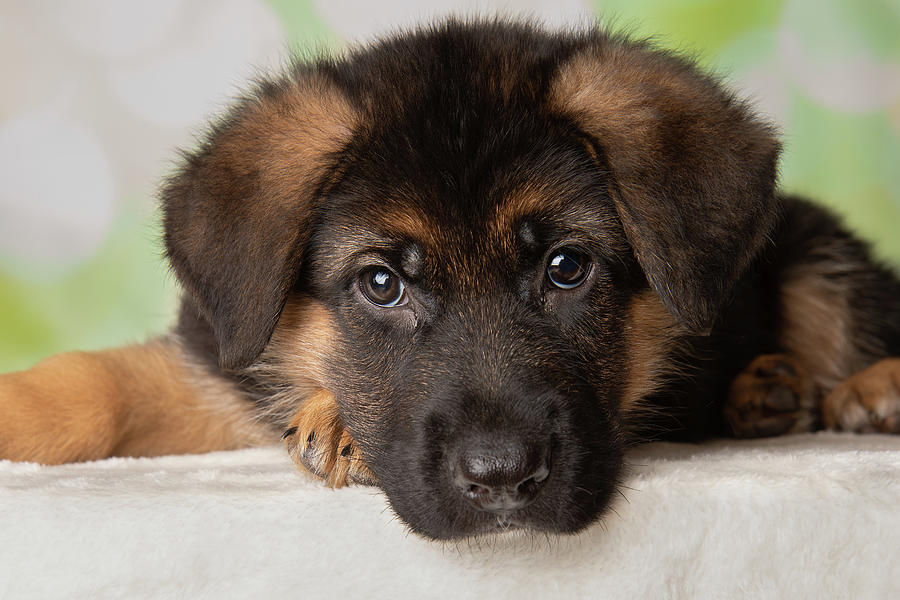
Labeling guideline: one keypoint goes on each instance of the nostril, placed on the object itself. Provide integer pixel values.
(531, 485)
(475, 490)
(501, 478)
(527, 487)
(541, 473)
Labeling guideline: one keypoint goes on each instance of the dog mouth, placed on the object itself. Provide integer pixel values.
(529, 457)
(569, 497)
(497, 524)
(508, 523)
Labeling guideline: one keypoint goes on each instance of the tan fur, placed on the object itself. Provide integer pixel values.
(650, 335)
(610, 89)
(294, 135)
(402, 220)
(817, 328)
(621, 95)
(318, 443)
(319, 418)
(412, 224)
(295, 356)
(524, 202)
(134, 401)
(59, 411)
(867, 401)
(304, 337)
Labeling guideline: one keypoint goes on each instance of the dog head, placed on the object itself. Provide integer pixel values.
(484, 240)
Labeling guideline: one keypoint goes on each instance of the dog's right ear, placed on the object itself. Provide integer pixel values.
(237, 213)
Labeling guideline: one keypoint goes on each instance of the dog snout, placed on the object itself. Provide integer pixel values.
(501, 476)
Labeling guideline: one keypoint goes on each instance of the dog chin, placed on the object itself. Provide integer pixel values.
(485, 524)
(500, 525)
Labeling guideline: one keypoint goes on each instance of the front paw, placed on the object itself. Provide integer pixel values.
(772, 396)
(867, 402)
(318, 442)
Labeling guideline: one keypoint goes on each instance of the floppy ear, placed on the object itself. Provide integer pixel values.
(237, 213)
(693, 170)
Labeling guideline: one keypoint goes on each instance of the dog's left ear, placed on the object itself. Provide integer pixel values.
(693, 171)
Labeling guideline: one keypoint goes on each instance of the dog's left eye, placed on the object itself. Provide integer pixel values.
(382, 287)
(568, 268)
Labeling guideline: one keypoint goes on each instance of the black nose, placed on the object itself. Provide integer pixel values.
(502, 476)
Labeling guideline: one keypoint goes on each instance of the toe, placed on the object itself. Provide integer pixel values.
(781, 398)
(772, 396)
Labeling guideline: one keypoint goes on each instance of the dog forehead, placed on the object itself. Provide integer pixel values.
(452, 162)
(455, 177)
(416, 226)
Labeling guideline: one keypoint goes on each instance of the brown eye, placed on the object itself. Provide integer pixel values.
(568, 268)
(382, 287)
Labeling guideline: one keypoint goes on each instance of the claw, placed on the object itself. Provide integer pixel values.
(330, 451)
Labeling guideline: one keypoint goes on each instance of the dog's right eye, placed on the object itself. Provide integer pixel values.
(382, 287)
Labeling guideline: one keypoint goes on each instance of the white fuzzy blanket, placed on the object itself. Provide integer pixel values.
(814, 516)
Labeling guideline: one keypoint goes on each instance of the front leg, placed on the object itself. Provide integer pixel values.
(60, 411)
(318, 442)
(143, 400)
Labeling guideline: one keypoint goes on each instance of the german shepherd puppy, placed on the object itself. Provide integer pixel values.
(471, 265)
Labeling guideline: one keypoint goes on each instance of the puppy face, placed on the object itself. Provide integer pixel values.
(483, 240)
(479, 318)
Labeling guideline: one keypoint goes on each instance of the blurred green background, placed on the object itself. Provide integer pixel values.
(97, 97)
